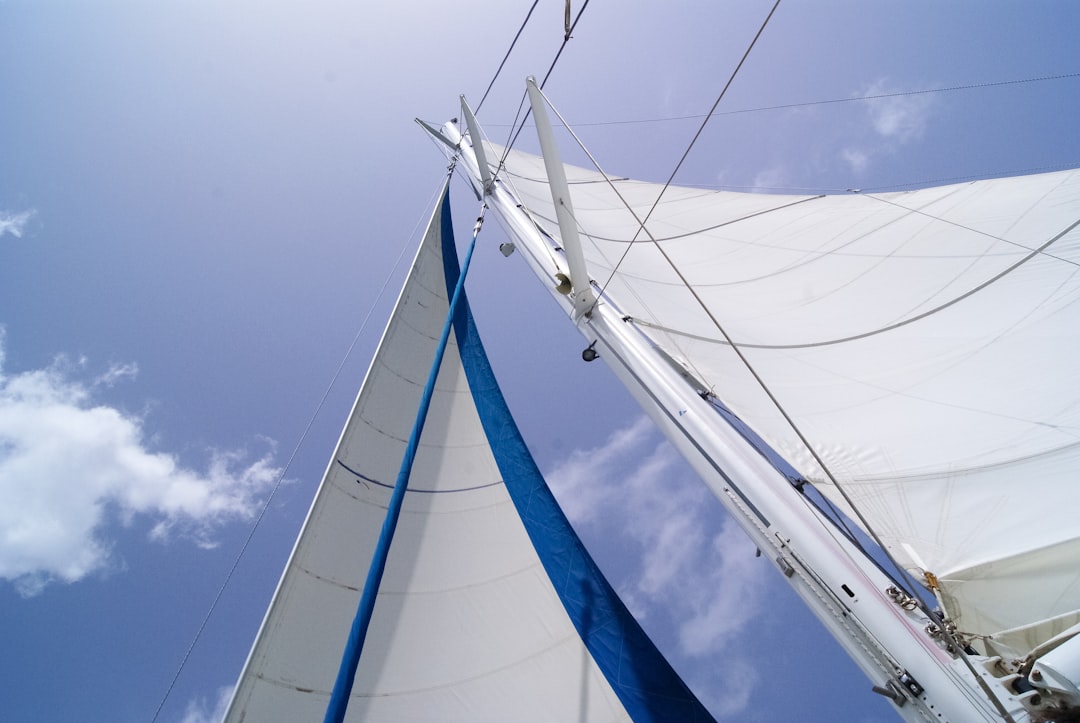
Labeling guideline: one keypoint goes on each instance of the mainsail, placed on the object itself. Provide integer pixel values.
(923, 342)
(490, 608)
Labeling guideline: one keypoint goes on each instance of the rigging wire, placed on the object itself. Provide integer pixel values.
(832, 101)
(974, 176)
(907, 580)
(285, 469)
(508, 51)
(836, 515)
(965, 227)
(723, 332)
(742, 358)
(716, 322)
(1032, 253)
(515, 129)
(686, 153)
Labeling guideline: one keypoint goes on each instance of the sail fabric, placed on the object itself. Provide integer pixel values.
(926, 343)
(467, 624)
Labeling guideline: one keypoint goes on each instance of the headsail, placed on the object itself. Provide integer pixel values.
(468, 624)
(924, 342)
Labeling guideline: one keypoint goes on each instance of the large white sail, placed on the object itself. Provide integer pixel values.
(925, 343)
(467, 624)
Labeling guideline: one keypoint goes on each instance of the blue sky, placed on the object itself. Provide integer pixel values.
(200, 203)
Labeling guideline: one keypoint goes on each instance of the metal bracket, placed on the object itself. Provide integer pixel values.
(892, 691)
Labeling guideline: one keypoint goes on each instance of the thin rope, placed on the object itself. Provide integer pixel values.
(716, 322)
(831, 101)
(742, 358)
(965, 227)
(776, 402)
(338, 704)
(515, 129)
(686, 153)
(971, 177)
(284, 471)
(508, 51)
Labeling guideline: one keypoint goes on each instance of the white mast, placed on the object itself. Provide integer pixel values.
(847, 592)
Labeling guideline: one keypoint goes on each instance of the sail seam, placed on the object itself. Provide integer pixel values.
(386, 485)
(695, 232)
(866, 334)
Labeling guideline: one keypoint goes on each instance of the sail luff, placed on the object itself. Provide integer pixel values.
(234, 709)
(339, 697)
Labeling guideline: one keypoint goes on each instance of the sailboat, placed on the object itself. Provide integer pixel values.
(876, 386)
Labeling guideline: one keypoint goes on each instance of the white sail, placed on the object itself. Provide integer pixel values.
(468, 624)
(924, 342)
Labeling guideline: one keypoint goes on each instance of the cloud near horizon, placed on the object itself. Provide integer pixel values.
(693, 570)
(70, 466)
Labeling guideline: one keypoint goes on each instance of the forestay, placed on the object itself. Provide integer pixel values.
(467, 624)
(925, 342)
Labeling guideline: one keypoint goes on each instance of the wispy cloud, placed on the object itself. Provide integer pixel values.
(901, 118)
(856, 159)
(772, 178)
(201, 710)
(15, 223)
(890, 124)
(70, 465)
(693, 572)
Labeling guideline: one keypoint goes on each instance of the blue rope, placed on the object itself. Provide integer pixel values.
(339, 698)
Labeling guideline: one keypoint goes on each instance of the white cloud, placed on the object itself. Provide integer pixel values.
(15, 223)
(856, 159)
(198, 710)
(69, 466)
(890, 124)
(695, 572)
(771, 179)
(717, 693)
(901, 118)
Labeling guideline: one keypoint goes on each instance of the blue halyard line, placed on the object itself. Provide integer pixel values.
(339, 698)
